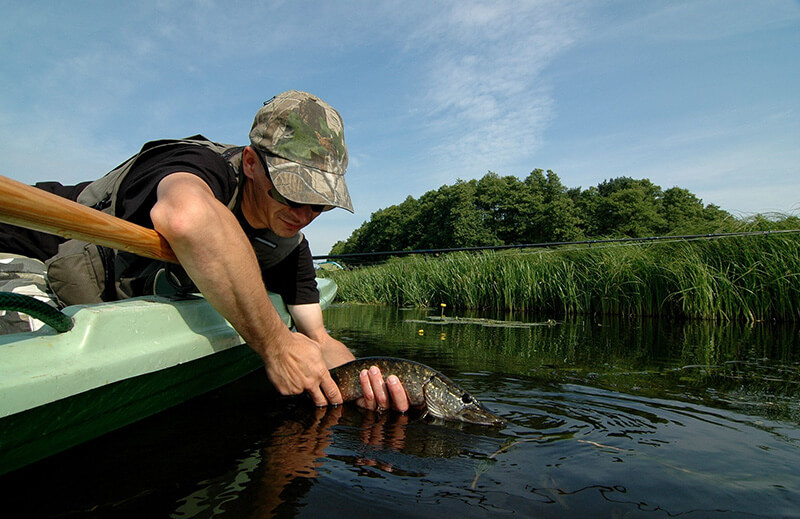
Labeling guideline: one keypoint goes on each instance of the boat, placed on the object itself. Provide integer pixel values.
(119, 363)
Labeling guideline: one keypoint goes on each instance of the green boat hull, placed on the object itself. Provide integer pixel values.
(120, 363)
(35, 434)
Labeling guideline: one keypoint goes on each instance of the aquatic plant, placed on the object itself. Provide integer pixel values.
(748, 278)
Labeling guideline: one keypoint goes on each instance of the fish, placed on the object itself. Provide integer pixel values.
(441, 397)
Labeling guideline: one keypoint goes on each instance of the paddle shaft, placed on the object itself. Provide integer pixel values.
(32, 208)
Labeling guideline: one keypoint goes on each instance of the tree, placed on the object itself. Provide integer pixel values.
(453, 219)
(681, 210)
(504, 210)
(503, 202)
(393, 228)
(622, 207)
(551, 213)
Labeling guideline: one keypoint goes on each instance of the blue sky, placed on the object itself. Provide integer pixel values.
(700, 94)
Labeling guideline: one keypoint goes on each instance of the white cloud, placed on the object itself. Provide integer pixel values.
(483, 96)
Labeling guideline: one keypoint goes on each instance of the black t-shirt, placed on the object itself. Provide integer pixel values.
(137, 193)
(293, 278)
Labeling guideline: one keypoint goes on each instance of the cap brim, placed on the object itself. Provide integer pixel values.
(308, 185)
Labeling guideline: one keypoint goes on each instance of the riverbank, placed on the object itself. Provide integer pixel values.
(746, 278)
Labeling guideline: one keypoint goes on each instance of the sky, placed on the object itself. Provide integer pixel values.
(699, 94)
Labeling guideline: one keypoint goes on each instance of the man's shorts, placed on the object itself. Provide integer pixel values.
(22, 275)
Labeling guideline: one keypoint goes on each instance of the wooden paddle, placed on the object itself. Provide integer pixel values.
(32, 208)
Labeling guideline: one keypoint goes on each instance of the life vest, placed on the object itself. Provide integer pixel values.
(83, 273)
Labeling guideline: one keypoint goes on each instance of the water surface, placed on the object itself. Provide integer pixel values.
(606, 418)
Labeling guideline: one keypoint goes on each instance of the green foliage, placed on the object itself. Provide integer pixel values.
(387, 229)
(747, 278)
(497, 210)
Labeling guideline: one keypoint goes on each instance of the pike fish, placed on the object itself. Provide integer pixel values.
(424, 385)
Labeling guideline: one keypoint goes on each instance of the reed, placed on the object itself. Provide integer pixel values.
(748, 278)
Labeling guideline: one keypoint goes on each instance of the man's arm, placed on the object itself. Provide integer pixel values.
(215, 252)
(377, 394)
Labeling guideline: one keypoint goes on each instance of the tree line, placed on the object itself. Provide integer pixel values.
(504, 210)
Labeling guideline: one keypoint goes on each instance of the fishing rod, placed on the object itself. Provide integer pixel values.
(683, 237)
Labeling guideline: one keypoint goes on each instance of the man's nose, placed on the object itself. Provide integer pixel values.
(304, 213)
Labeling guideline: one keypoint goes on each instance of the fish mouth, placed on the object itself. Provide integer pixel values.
(481, 416)
(475, 413)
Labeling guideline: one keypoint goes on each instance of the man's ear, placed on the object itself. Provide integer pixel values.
(249, 162)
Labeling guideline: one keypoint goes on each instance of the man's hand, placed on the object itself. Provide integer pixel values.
(297, 366)
(380, 395)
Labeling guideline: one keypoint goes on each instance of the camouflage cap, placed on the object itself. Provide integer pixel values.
(303, 140)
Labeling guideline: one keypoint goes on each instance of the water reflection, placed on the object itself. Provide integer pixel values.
(269, 478)
(605, 419)
(754, 368)
(275, 477)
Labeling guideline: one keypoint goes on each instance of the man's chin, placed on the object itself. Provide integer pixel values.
(287, 231)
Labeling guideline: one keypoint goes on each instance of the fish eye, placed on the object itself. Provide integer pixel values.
(467, 398)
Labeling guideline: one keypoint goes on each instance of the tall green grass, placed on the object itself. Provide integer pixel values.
(747, 278)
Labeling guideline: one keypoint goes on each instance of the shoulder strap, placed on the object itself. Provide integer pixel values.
(102, 193)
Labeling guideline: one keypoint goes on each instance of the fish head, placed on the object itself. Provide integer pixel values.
(445, 400)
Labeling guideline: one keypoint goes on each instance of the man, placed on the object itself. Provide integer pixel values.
(233, 216)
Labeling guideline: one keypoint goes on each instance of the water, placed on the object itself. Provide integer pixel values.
(606, 419)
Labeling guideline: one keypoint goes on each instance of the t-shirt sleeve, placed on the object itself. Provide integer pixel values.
(137, 193)
(294, 278)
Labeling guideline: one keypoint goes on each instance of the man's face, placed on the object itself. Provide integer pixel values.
(262, 210)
